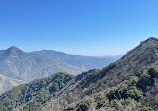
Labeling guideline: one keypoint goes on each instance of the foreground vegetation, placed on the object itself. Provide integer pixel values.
(137, 93)
(34, 95)
(132, 94)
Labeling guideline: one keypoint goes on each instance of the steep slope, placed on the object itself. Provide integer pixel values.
(139, 93)
(35, 93)
(20, 65)
(146, 54)
(94, 81)
(7, 83)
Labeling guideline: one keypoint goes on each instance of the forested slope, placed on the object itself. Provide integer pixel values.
(123, 75)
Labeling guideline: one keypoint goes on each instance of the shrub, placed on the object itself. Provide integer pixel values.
(147, 108)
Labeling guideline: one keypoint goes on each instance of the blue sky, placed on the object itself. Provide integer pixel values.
(84, 27)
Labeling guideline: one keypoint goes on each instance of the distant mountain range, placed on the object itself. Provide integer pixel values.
(129, 84)
(26, 66)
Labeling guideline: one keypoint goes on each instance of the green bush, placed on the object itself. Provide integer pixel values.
(147, 108)
(85, 105)
(101, 100)
(134, 93)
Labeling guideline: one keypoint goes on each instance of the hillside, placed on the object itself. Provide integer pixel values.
(146, 54)
(84, 62)
(20, 65)
(139, 93)
(8, 83)
(89, 83)
(35, 93)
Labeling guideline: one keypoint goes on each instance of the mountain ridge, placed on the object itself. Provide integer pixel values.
(94, 81)
(15, 61)
(26, 66)
(143, 55)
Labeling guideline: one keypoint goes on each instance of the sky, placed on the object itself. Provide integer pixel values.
(82, 27)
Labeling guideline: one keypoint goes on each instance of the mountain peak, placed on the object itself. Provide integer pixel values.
(150, 39)
(14, 51)
(13, 48)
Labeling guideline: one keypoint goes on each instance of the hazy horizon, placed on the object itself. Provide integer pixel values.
(59, 51)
